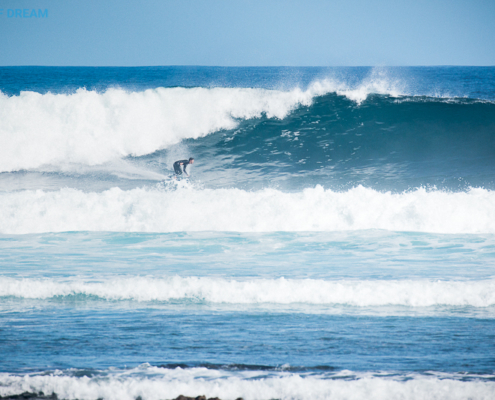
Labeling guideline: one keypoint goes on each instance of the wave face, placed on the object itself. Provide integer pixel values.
(385, 142)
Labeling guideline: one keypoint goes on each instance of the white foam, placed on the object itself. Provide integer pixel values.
(268, 210)
(151, 383)
(360, 293)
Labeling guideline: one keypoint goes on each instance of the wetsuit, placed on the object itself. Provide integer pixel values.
(177, 167)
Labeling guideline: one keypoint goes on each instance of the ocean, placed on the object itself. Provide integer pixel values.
(335, 240)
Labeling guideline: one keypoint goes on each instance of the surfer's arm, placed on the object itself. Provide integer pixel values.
(184, 168)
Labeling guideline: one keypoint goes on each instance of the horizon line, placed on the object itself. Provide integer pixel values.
(246, 66)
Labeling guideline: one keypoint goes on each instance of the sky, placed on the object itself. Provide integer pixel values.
(247, 33)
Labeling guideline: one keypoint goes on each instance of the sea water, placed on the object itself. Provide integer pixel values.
(336, 238)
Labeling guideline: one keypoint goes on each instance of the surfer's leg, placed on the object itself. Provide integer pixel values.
(177, 169)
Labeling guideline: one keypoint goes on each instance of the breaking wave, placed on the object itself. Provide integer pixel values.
(92, 128)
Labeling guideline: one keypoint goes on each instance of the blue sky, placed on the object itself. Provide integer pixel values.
(249, 33)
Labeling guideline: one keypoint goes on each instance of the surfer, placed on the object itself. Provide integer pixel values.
(184, 163)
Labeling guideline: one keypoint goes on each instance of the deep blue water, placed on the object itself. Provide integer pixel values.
(336, 238)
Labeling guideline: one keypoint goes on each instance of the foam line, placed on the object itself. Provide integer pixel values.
(151, 383)
(360, 293)
(268, 210)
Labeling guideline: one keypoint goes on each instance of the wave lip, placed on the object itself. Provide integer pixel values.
(362, 293)
(268, 210)
(152, 383)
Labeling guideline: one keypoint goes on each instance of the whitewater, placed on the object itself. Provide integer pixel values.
(336, 237)
(267, 210)
(419, 293)
(252, 384)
